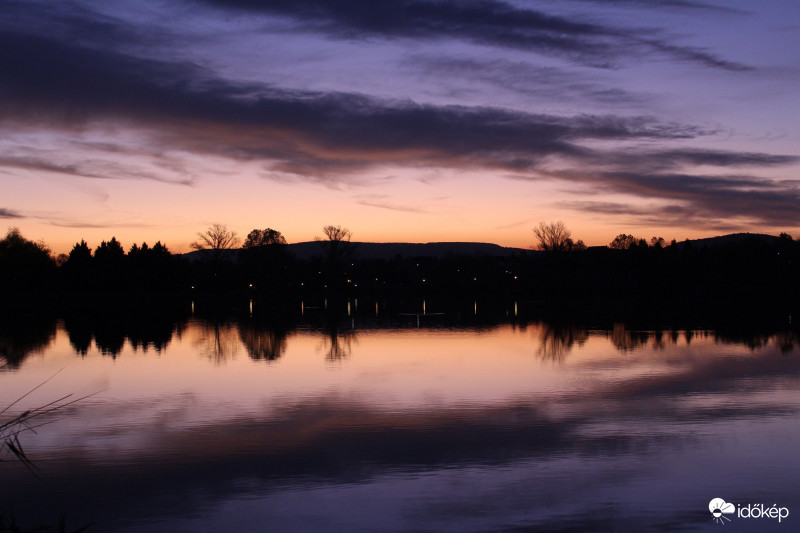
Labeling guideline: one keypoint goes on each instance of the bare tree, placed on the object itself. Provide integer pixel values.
(336, 244)
(339, 252)
(337, 234)
(553, 237)
(215, 243)
(217, 237)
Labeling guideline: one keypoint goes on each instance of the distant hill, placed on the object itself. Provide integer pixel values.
(733, 238)
(390, 250)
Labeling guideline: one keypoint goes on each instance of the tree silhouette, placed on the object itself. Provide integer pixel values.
(263, 237)
(623, 241)
(217, 237)
(78, 266)
(24, 264)
(215, 241)
(109, 261)
(337, 244)
(337, 233)
(151, 268)
(264, 260)
(80, 253)
(553, 237)
(109, 251)
(338, 253)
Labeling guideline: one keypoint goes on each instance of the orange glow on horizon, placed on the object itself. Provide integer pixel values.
(419, 206)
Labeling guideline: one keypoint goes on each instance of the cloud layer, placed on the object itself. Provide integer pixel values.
(489, 22)
(73, 69)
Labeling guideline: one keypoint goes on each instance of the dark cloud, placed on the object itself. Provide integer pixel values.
(551, 83)
(671, 215)
(9, 213)
(605, 208)
(74, 23)
(490, 22)
(667, 4)
(719, 200)
(671, 158)
(324, 136)
(71, 86)
(86, 169)
(694, 55)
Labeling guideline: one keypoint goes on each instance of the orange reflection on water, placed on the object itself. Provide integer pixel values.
(213, 372)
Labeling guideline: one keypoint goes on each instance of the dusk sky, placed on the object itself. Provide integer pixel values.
(406, 120)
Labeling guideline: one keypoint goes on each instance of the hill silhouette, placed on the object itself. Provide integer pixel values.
(390, 250)
(438, 250)
(732, 239)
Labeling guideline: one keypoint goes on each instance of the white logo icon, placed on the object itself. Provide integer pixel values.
(719, 508)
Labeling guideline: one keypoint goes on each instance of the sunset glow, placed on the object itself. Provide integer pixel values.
(412, 121)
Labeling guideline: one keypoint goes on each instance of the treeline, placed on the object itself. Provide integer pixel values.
(28, 268)
(752, 271)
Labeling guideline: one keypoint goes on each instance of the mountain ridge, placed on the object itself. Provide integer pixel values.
(439, 249)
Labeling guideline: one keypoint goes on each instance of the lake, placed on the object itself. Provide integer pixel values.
(409, 422)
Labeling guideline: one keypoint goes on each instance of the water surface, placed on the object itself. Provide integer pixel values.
(413, 425)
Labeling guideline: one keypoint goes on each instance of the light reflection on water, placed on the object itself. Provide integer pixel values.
(234, 425)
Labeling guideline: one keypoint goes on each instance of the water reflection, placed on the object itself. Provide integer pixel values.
(441, 427)
(21, 336)
(625, 340)
(338, 342)
(143, 330)
(263, 342)
(556, 341)
(216, 339)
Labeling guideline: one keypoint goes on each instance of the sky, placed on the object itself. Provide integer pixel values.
(402, 120)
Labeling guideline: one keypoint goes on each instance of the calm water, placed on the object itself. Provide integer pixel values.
(407, 426)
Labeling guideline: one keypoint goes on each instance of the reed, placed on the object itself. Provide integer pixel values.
(29, 421)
